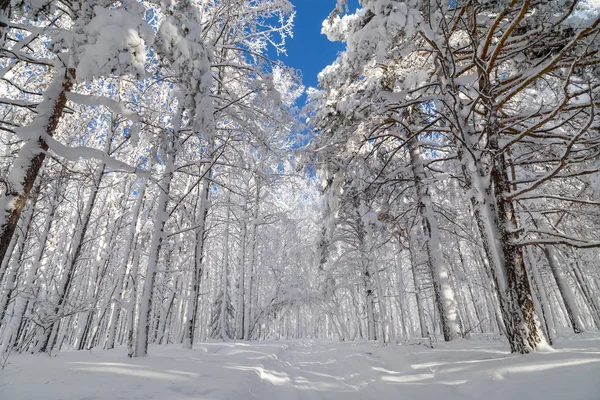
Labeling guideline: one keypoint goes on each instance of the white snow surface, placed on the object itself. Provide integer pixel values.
(311, 369)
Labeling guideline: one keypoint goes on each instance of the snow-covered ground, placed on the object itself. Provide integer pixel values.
(311, 370)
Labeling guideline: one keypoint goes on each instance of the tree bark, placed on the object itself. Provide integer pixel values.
(31, 156)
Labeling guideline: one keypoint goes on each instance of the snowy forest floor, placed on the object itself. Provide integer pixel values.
(311, 369)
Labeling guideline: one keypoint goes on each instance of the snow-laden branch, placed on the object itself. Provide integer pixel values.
(112, 105)
(88, 153)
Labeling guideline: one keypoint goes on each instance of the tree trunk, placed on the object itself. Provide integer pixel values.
(251, 260)
(522, 325)
(143, 328)
(192, 305)
(418, 297)
(401, 290)
(132, 309)
(540, 292)
(16, 261)
(223, 314)
(565, 290)
(444, 295)
(31, 156)
(122, 268)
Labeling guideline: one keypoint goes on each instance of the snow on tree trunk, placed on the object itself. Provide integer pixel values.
(122, 269)
(241, 306)
(132, 306)
(587, 290)
(405, 321)
(224, 305)
(32, 154)
(251, 260)
(522, 325)
(418, 294)
(200, 234)
(542, 297)
(444, 295)
(10, 335)
(565, 290)
(93, 269)
(16, 261)
(369, 300)
(494, 216)
(145, 313)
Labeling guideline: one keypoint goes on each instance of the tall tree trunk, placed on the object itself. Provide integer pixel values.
(540, 292)
(192, 304)
(495, 218)
(444, 295)
(522, 325)
(251, 261)
(31, 156)
(241, 309)
(122, 269)
(564, 289)
(143, 328)
(407, 328)
(134, 282)
(418, 297)
(223, 313)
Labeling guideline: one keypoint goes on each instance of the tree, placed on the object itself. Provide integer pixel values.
(464, 73)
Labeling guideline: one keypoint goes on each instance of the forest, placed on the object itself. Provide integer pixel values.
(167, 180)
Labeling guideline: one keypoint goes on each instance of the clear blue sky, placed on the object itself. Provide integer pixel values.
(308, 50)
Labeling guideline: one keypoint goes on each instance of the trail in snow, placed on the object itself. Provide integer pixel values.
(306, 370)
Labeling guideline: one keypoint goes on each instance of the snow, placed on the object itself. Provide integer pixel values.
(115, 42)
(311, 369)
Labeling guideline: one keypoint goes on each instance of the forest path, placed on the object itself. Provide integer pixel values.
(310, 370)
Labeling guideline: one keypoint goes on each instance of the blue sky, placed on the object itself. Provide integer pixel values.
(308, 50)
